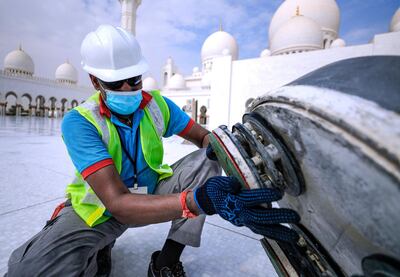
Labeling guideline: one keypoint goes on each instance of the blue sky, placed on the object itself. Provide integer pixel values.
(51, 31)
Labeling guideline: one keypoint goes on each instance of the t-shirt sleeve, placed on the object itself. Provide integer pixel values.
(179, 121)
(84, 145)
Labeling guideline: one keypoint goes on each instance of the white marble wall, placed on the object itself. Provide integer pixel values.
(221, 96)
(233, 83)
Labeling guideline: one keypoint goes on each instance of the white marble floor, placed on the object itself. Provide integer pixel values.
(34, 170)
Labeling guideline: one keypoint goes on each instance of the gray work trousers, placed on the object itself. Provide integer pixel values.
(68, 247)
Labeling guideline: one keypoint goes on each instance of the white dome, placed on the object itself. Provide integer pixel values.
(226, 52)
(177, 82)
(206, 81)
(67, 73)
(20, 61)
(298, 34)
(150, 84)
(395, 23)
(265, 53)
(217, 43)
(338, 43)
(195, 69)
(325, 13)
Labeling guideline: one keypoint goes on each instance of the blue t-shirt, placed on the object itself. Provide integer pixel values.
(86, 148)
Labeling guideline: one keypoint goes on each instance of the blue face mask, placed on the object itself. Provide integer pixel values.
(123, 102)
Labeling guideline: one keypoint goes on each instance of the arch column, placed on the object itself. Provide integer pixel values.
(58, 112)
(18, 109)
(32, 110)
(46, 112)
(40, 112)
(2, 109)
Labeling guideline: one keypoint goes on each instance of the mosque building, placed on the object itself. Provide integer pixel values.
(303, 36)
(23, 93)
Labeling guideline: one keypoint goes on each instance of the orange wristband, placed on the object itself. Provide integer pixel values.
(186, 213)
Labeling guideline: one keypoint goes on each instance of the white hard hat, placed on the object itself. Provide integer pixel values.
(112, 54)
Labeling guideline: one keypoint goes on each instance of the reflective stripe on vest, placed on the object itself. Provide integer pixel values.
(92, 106)
(152, 126)
(157, 117)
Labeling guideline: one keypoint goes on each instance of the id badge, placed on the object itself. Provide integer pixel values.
(137, 189)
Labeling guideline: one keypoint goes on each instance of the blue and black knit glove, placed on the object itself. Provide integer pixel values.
(223, 196)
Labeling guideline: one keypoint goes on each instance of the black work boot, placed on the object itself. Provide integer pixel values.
(174, 271)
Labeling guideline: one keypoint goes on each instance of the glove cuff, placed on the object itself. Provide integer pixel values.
(203, 201)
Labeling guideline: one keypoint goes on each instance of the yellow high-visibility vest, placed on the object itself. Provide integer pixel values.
(152, 127)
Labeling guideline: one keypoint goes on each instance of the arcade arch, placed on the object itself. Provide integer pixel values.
(40, 106)
(31, 104)
(53, 107)
(203, 117)
(74, 103)
(64, 106)
(11, 107)
(26, 104)
(2, 104)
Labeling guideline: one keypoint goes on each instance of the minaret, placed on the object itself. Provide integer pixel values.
(168, 71)
(128, 14)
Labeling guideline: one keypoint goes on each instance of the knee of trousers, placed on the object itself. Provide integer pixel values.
(59, 261)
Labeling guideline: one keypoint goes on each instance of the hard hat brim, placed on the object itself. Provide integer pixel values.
(111, 75)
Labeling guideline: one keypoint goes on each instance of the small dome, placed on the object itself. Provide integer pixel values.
(177, 82)
(298, 34)
(18, 61)
(150, 84)
(217, 43)
(325, 13)
(395, 23)
(338, 43)
(66, 73)
(195, 69)
(265, 53)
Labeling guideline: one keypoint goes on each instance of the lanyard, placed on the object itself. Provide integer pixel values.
(132, 160)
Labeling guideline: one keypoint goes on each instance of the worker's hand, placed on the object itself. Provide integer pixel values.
(210, 153)
(223, 195)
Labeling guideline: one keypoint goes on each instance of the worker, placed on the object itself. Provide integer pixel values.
(114, 140)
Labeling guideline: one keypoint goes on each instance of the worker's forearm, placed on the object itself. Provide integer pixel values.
(149, 209)
(131, 208)
(205, 141)
(197, 135)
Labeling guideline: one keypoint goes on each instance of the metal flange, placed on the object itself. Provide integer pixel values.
(292, 181)
(256, 157)
(234, 158)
